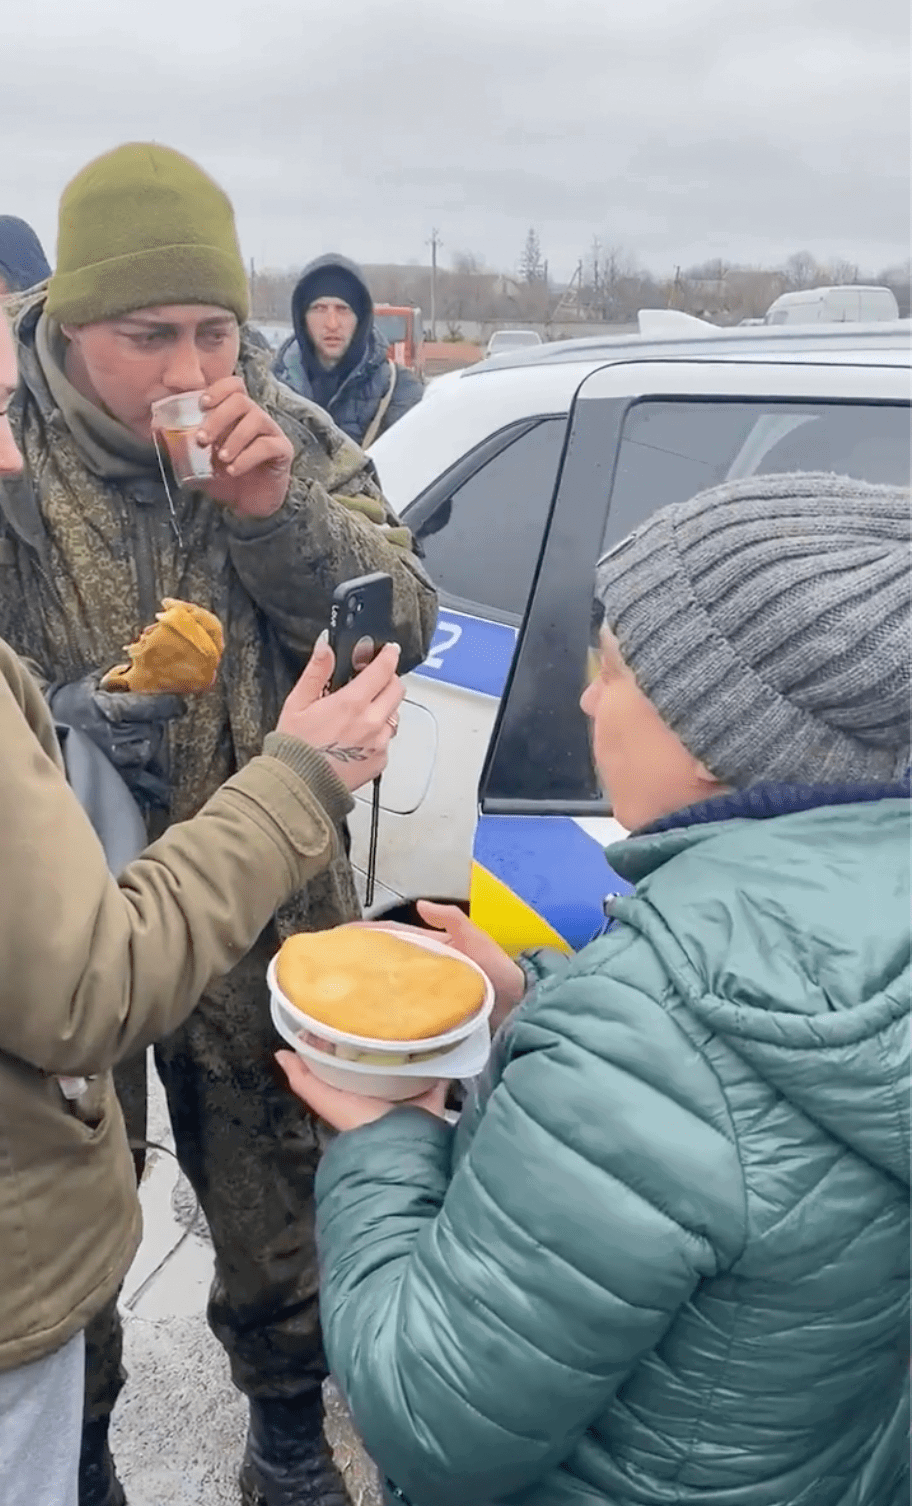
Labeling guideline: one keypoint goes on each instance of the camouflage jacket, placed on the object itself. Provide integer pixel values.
(85, 561)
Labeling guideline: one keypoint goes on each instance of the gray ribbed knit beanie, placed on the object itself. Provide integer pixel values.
(769, 621)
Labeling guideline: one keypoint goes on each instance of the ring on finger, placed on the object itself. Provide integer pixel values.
(394, 723)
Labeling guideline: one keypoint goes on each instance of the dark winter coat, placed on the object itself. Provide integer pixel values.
(22, 259)
(354, 390)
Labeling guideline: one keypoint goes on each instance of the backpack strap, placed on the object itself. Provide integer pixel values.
(373, 428)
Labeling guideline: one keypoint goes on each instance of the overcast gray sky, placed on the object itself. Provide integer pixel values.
(678, 129)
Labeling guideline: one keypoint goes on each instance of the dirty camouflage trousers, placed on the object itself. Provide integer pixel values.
(250, 1152)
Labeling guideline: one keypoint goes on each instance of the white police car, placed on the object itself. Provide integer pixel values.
(515, 476)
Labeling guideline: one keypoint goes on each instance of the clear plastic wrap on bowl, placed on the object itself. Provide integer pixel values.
(465, 1059)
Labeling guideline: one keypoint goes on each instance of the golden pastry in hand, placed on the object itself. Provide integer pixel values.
(179, 653)
(373, 984)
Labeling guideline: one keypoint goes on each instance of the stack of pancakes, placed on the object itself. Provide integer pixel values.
(381, 988)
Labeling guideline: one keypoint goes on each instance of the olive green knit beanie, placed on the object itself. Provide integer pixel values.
(140, 226)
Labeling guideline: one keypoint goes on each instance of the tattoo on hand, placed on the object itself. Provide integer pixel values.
(346, 755)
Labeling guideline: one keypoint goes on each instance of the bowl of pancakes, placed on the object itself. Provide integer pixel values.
(381, 1012)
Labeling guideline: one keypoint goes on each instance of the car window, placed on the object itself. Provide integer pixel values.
(481, 543)
(668, 452)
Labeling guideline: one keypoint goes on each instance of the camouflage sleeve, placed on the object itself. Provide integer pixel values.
(334, 525)
(292, 563)
(22, 536)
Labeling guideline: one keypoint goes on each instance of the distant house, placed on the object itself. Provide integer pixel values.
(508, 287)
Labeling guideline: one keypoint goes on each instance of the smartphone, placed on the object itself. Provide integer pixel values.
(360, 623)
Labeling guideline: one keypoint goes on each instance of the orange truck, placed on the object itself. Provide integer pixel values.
(403, 332)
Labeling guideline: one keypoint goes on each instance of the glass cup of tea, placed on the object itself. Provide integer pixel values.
(175, 421)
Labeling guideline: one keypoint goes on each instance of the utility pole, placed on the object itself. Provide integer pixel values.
(434, 243)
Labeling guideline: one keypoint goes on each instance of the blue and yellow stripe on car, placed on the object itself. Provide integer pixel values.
(540, 881)
(536, 880)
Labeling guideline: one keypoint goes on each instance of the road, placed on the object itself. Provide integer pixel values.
(178, 1430)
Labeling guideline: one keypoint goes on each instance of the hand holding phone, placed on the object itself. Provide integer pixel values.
(352, 729)
(360, 623)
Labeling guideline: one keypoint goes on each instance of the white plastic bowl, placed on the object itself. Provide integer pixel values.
(427, 1043)
(395, 1083)
(462, 1051)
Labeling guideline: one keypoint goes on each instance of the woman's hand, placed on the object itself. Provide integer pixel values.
(346, 1111)
(354, 726)
(465, 936)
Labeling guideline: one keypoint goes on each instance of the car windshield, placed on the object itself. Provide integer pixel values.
(392, 327)
(509, 339)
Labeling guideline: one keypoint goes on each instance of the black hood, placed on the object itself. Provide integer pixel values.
(326, 383)
(23, 263)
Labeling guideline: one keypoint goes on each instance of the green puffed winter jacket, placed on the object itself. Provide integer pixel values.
(664, 1258)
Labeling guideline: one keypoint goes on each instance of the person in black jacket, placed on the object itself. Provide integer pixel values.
(337, 356)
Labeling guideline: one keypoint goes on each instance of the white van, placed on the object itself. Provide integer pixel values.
(833, 306)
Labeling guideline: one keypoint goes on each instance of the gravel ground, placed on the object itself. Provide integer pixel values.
(178, 1431)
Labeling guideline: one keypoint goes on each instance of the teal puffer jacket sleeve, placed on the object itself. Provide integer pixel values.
(479, 1317)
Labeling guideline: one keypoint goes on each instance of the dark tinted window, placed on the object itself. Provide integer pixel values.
(392, 327)
(667, 452)
(670, 451)
(482, 542)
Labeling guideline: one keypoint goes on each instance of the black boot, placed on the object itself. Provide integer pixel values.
(287, 1461)
(98, 1483)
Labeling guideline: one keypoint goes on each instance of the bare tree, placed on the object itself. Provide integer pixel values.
(891, 276)
(802, 271)
(271, 292)
(531, 263)
(468, 263)
(625, 287)
(900, 280)
(842, 273)
(465, 292)
(751, 290)
(714, 270)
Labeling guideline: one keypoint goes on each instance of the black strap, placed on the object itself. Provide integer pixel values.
(372, 846)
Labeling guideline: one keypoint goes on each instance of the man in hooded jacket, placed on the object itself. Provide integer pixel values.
(338, 358)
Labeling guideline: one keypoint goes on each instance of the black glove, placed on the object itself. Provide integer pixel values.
(128, 727)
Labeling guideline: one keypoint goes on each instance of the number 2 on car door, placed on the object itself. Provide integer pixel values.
(452, 633)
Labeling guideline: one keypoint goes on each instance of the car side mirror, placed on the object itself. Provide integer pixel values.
(438, 520)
